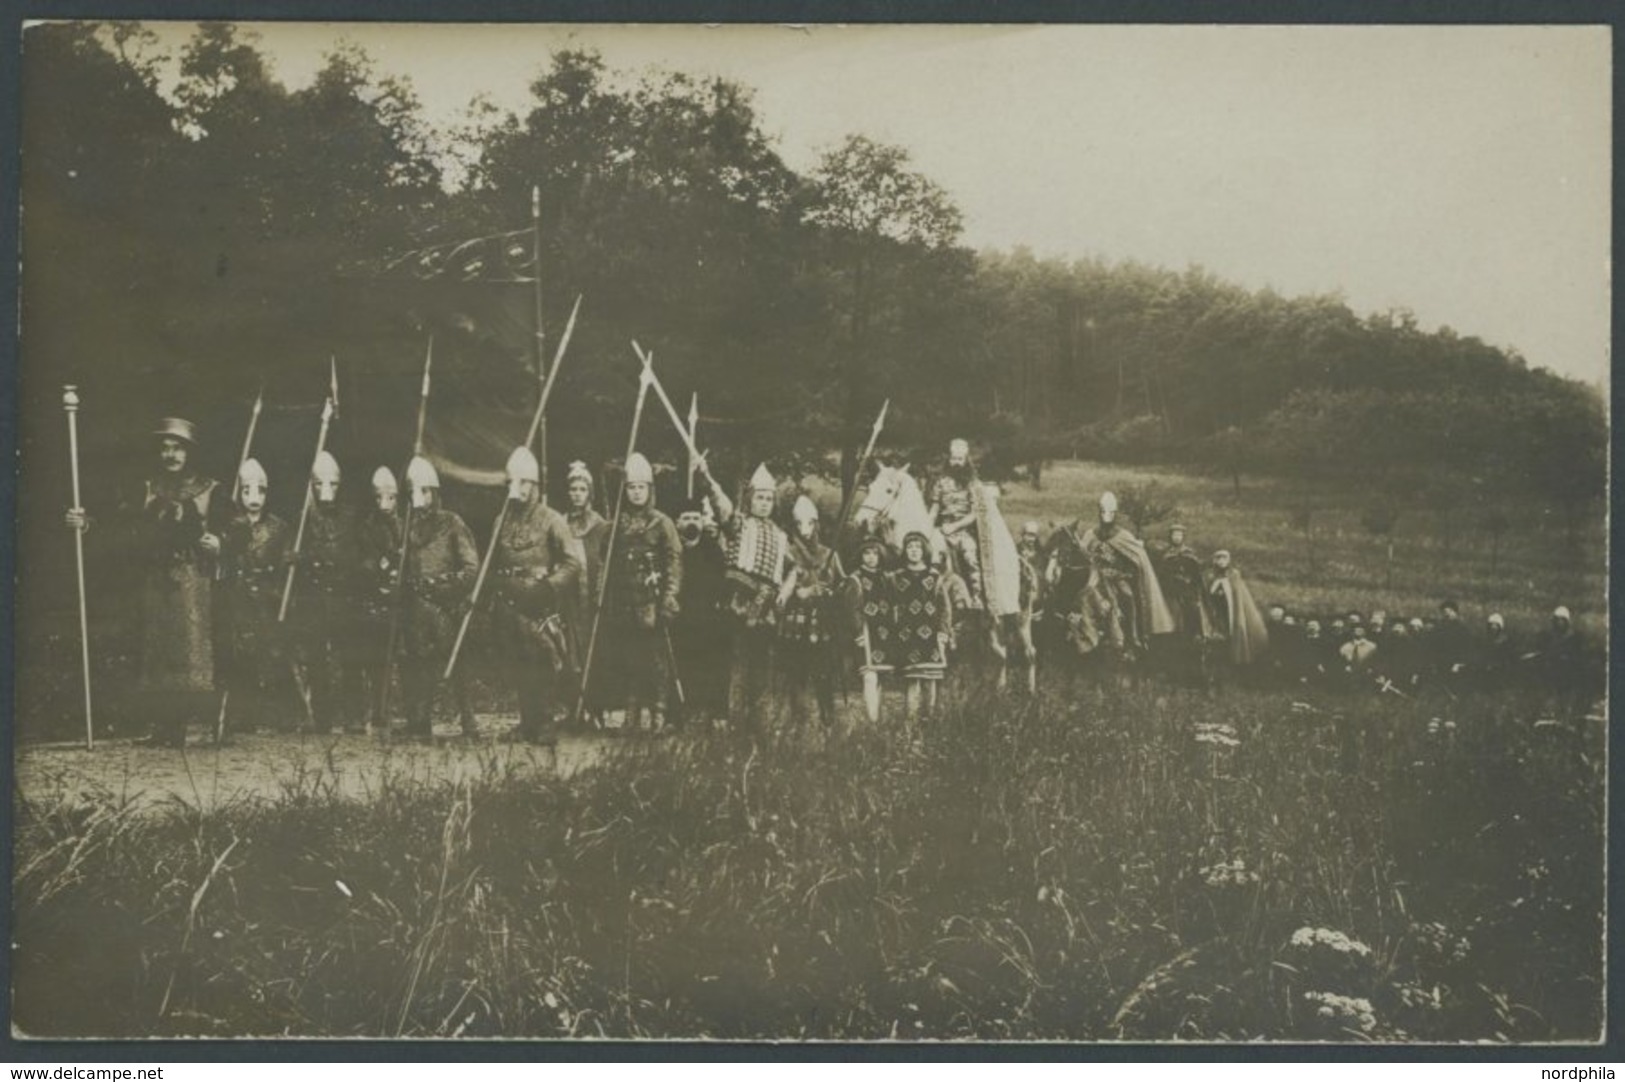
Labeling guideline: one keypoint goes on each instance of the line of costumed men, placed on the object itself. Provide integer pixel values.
(628, 622)
(722, 606)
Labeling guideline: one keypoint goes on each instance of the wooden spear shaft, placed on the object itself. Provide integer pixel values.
(537, 424)
(614, 525)
(70, 403)
(304, 515)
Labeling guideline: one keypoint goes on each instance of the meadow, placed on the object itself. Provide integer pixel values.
(1110, 860)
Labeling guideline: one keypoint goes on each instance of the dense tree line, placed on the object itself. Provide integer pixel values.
(184, 244)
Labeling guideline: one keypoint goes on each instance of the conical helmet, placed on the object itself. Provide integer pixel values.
(251, 473)
(1108, 506)
(762, 481)
(325, 469)
(638, 470)
(522, 466)
(383, 480)
(420, 473)
(804, 510)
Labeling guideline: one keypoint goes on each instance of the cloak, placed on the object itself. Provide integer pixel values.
(1154, 615)
(1249, 637)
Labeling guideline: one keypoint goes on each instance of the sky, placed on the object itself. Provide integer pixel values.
(1462, 173)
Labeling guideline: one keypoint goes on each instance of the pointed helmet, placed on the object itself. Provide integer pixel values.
(805, 510)
(522, 466)
(383, 480)
(638, 470)
(326, 468)
(420, 473)
(251, 473)
(762, 481)
(1108, 507)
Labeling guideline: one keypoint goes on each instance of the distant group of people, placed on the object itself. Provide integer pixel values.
(617, 614)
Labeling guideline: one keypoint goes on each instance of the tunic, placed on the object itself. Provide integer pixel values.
(757, 558)
(1180, 572)
(807, 617)
(870, 597)
(591, 531)
(537, 569)
(177, 625)
(377, 547)
(645, 575)
(922, 615)
(255, 557)
(440, 569)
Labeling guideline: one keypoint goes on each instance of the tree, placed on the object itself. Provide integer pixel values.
(880, 220)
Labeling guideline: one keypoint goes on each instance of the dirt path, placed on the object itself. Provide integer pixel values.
(268, 767)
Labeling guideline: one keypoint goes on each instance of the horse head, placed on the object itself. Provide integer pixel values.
(880, 496)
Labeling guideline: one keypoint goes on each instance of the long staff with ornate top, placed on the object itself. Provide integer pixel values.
(70, 403)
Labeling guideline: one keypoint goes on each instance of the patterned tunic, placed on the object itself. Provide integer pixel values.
(876, 620)
(758, 554)
(922, 613)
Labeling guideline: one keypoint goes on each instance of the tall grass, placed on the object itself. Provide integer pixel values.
(1108, 863)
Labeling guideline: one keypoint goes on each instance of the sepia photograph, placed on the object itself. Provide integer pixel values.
(812, 533)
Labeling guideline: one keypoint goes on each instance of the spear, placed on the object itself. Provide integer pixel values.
(70, 403)
(502, 512)
(248, 440)
(653, 380)
(645, 381)
(236, 480)
(852, 493)
(220, 563)
(333, 382)
(328, 411)
(693, 436)
(406, 537)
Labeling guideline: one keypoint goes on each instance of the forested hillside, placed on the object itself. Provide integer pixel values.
(176, 257)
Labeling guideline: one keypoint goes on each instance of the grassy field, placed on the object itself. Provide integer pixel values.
(1533, 572)
(1124, 861)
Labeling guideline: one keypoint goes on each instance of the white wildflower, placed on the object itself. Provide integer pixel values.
(1350, 1010)
(1327, 937)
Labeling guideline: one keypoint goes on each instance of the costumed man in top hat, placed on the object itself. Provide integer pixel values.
(869, 605)
(758, 553)
(590, 530)
(537, 568)
(441, 562)
(952, 500)
(175, 546)
(645, 573)
(807, 618)
(255, 550)
(700, 634)
(377, 548)
(324, 611)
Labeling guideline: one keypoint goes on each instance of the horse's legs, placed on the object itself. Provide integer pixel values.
(995, 642)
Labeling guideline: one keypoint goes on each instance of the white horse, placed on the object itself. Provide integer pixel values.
(894, 507)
